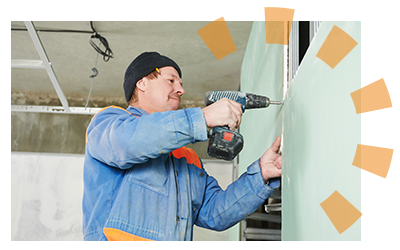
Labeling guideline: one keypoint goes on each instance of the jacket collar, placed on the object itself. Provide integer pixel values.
(137, 111)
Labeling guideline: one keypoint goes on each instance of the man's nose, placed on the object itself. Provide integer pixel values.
(179, 89)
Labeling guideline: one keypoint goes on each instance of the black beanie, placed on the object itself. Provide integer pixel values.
(143, 65)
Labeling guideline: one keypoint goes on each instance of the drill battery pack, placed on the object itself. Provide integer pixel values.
(224, 143)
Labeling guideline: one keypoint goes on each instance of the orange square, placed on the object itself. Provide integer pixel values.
(217, 37)
(277, 32)
(336, 46)
(278, 23)
(340, 211)
(373, 159)
(371, 97)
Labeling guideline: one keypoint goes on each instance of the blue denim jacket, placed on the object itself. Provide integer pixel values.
(141, 183)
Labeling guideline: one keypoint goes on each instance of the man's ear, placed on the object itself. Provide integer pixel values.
(141, 84)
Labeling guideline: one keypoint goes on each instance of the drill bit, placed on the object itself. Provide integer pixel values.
(276, 102)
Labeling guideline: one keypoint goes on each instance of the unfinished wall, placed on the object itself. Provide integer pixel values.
(262, 73)
(47, 152)
(320, 130)
(48, 132)
(46, 196)
(321, 133)
(59, 133)
(47, 155)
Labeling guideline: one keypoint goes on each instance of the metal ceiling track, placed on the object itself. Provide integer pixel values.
(54, 109)
(44, 63)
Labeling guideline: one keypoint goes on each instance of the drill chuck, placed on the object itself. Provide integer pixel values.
(256, 101)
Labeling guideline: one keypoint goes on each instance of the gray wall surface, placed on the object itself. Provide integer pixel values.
(59, 133)
(46, 196)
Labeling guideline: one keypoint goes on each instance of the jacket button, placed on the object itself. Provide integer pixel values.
(176, 172)
(177, 218)
(201, 174)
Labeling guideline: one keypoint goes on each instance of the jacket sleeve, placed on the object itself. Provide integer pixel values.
(120, 139)
(223, 209)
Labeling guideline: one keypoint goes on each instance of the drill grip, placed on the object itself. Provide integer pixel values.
(214, 96)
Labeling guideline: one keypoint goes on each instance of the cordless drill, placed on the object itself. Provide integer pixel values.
(224, 143)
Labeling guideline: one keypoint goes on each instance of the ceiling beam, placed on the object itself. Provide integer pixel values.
(54, 109)
(27, 64)
(47, 65)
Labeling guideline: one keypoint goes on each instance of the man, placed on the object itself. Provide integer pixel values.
(141, 183)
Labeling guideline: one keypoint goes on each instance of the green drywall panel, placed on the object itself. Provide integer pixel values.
(321, 131)
(261, 73)
(320, 128)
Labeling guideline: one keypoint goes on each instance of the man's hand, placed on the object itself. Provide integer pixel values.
(223, 112)
(270, 161)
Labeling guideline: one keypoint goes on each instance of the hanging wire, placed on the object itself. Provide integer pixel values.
(95, 72)
(107, 54)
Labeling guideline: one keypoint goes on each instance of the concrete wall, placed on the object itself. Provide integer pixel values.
(59, 133)
(47, 132)
(47, 153)
(46, 196)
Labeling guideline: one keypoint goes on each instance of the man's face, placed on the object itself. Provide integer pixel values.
(163, 93)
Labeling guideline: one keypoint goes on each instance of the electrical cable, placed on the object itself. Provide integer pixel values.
(107, 53)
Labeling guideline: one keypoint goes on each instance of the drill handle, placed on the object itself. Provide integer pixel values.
(247, 100)
(214, 96)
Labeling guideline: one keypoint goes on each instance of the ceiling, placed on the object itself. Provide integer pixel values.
(73, 58)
